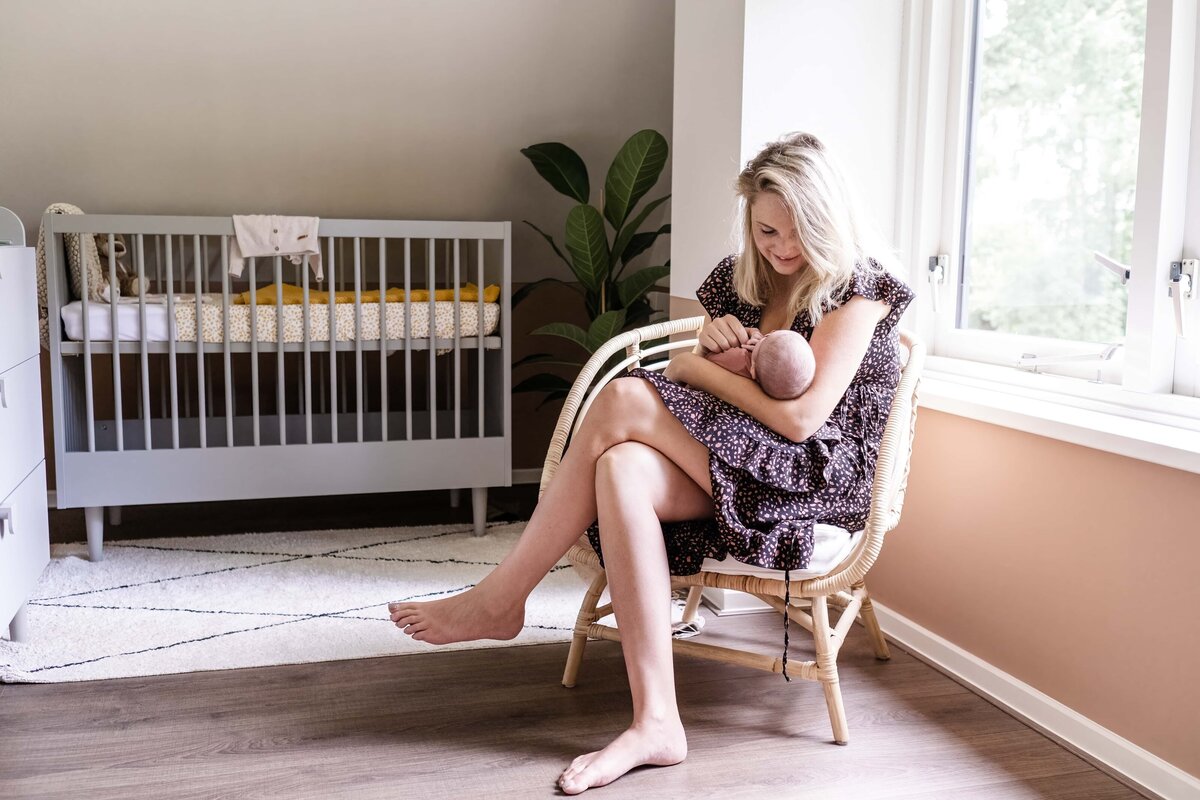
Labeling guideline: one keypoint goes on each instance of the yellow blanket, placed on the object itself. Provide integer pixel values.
(293, 295)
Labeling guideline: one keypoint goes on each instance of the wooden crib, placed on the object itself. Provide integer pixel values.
(196, 389)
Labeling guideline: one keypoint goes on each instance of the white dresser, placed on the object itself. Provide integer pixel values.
(24, 528)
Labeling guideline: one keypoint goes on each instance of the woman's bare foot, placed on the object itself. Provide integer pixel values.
(461, 618)
(657, 744)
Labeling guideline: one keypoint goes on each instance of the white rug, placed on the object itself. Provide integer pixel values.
(159, 606)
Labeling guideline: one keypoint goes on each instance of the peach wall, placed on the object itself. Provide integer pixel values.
(1069, 568)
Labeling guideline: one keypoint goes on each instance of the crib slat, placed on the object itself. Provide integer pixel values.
(144, 411)
(200, 377)
(225, 338)
(158, 262)
(358, 353)
(87, 350)
(432, 284)
(307, 353)
(333, 416)
(116, 354)
(457, 348)
(408, 425)
(479, 351)
(174, 377)
(383, 379)
(280, 400)
(342, 257)
(254, 348)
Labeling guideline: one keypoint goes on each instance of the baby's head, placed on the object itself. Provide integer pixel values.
(783, 364)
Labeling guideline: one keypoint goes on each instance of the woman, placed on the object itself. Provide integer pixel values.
(669, 469)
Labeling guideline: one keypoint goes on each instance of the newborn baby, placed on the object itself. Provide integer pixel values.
(781, 362)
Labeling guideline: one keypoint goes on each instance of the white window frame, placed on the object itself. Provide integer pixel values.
(1149, 381)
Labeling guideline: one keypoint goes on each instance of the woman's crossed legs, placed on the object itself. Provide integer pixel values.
(631, 465)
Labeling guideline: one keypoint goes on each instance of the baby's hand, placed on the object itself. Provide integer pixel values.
(723, 334)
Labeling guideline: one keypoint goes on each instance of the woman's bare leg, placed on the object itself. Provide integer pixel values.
(625, 410)
(636, 488)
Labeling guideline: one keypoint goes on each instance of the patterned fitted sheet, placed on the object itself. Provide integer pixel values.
(240, 329)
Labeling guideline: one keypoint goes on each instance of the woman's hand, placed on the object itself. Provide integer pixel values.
(723, 334)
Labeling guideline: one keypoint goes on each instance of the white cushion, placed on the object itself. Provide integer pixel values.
(831, 545)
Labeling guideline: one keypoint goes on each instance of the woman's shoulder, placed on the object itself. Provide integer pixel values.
(875, 281)
(716, 293)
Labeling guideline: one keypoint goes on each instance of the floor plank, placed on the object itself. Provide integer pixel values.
(497, 723)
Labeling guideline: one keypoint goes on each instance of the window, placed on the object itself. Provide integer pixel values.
(1046, 148)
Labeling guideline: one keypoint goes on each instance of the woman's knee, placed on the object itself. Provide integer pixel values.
(626, 463)
(619, 407)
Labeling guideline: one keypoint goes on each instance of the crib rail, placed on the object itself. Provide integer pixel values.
(311, 374)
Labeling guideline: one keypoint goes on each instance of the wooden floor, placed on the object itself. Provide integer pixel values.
(496, 722)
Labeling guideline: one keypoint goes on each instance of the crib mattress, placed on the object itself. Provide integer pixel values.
(129, 323)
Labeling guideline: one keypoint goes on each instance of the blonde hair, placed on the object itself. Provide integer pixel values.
(834, 237)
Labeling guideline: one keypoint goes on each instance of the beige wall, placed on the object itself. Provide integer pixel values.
(1071, 569)
(398, 109)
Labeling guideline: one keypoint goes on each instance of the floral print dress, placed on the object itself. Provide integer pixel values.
(769, 491)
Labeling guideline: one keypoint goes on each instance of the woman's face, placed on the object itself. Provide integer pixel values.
(774, 235)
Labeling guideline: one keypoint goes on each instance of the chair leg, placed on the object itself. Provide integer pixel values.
(587, 615)
(693, 603)
(867, 615)
(827, 671)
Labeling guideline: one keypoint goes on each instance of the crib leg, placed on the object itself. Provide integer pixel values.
(114, 515)
(479, 509)
(455, 498)
(93, 518)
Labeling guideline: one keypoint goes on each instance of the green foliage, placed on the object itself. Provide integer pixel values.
(614, 301)
(1055, 165)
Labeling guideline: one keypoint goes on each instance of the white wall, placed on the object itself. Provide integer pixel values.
(707, 137)
(372, 108)
(832, 69)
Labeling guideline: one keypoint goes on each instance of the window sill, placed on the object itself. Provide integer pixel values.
(1161, 430)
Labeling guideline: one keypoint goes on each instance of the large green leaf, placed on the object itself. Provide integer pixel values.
(550, 241)
(561, 167)
(635, 169)
(530, 288)
(604, 327)
(637, 284)
(587, 243)
(641, 242)
(565, 330)
(621, 243)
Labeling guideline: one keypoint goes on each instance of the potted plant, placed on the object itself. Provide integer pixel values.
(600, 245)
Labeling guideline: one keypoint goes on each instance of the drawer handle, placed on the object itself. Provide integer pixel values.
(3, 398)
(6, 522)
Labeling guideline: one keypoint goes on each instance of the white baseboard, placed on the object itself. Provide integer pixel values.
(1121, 758)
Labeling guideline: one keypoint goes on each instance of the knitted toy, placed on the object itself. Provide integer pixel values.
(781, 362)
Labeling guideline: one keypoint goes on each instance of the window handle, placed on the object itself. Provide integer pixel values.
(937, 276)
(1182, 287)
(6, 521)
(1116, 267)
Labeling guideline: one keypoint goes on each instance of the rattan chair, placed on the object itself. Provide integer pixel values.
(842, 586)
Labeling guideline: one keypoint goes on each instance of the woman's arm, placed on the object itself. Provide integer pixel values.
(839, 344)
